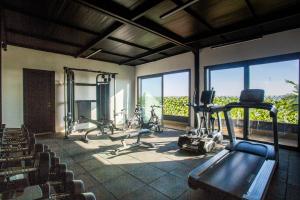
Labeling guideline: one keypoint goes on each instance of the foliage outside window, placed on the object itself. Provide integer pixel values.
(176, 106)
(286, 104)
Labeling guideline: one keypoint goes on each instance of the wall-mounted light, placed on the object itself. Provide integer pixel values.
(94, 53)
(177, 9)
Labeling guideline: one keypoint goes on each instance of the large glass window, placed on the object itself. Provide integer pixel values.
(151, 95)
(228, 84)
(171, 91)
(176, 94)
(279, 80)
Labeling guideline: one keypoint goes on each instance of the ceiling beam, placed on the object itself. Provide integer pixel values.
(105, 34)
(138, 12)
(133, 44)
(55, 40)
(53, 51)
(178, 8)
(251, 8)
(124, 15)
(194, 14)
(41, 37)
(116, 54)
(258, 22)
(150, 53)
(48, 20)
(169, 56)
(129, 43)
(198, 17)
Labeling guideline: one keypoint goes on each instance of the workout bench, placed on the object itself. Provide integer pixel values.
(130, 134)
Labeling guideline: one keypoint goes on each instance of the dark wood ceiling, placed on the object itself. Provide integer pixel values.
(132, 32)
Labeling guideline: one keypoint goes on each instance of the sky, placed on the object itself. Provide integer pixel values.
(176, 84)
(270, 77)
(230, 82)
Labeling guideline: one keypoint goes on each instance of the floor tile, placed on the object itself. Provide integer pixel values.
(166, 165)
(101, 193)
(293, 192)
(181, 172)
(82, 157)
(147, 173)
(91, 164)
(88, 180)
(159, 173)
(277, 189)
(145, 193)
(77, 169)
(125, 162)
(123, 185)
(294, 179)
(106, 173)
(194, 195)
(170, 185)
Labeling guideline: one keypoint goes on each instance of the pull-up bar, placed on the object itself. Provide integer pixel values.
(89, 70)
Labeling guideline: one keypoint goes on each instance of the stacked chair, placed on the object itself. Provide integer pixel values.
(29, 170)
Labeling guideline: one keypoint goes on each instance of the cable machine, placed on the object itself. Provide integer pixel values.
(102, 84)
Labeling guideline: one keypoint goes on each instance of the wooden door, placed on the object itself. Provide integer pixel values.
(39, 97)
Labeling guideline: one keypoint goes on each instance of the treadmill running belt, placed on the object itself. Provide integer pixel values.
(234, 174)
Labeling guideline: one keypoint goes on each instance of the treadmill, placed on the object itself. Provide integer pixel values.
(243, 170)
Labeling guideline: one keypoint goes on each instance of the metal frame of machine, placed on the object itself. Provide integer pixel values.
(102, 78)
(243, 170)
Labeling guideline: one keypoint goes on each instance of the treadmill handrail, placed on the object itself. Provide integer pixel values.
(257, 105)
(265, 106)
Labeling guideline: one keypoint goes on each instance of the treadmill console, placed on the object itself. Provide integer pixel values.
(252, 95)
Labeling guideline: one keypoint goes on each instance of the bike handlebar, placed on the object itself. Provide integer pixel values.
(155, 106)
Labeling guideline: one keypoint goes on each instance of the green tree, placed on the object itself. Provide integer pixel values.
(293, 97)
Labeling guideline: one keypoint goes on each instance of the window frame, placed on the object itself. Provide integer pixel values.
(246, 65)
(139, 78)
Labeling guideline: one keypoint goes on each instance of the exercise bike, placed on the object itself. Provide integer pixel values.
(154, 123)
(203, 139)
(136, 122)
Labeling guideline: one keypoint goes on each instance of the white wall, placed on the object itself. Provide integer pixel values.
(17, 58)
(270, 45)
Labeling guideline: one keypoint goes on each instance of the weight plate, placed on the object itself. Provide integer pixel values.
(43, 167)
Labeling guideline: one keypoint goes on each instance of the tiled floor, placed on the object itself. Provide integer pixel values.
(158, 173)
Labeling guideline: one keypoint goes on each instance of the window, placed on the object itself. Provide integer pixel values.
(176, 94)
(150, 95)
(171, 91)
(279, 80)
(278, 77)
(228, 90)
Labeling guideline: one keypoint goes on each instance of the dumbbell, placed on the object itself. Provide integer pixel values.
(58, 174)
(8, 154)
(75, 190)
(14, 147)
(43, 192)
(39, 172)
(15, 136)
(14, 131)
